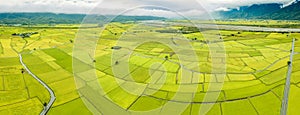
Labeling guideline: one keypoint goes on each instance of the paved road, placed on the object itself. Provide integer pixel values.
(52, 99)
(285, 99)
(248, 28)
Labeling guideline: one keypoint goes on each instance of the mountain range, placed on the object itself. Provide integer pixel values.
(52, 18)
(272, 11)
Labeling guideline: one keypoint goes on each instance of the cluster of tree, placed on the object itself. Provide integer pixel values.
(24, 35)
(167, 31)
(188, 29)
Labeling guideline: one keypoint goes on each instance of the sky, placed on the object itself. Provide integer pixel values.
(165, 8)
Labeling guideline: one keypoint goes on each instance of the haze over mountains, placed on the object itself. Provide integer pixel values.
(264, 11)
(52, 18)
(273, 11)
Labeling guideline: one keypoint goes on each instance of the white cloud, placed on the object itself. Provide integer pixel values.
(222, 9)
(237, 3)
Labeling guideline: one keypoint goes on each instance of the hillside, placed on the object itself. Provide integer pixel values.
(291, 12)
(263, 11)
(252, 11)
(52, 18)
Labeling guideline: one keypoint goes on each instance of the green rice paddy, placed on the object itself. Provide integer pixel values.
(256, 67)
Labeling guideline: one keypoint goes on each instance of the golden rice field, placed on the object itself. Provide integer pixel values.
(156, 73)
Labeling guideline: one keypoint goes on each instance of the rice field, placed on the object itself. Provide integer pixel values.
(145, 74)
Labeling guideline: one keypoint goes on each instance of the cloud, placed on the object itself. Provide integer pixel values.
(222, 9)
(217, 4)
(166, 8)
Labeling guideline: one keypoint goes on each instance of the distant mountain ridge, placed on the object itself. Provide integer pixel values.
(291, 12)
(264, 11)
(52, 18)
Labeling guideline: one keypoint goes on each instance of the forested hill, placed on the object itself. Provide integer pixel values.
(52, 18)
(291, 12)
(263, 11)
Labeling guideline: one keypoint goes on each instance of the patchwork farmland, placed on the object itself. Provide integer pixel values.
(136, 76)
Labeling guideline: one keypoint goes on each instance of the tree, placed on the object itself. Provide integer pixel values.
(166, 57)
(45, 104)
(22, 70)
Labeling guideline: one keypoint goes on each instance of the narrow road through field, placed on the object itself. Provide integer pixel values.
(52, 95)
(285, 99)
(248, 28)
